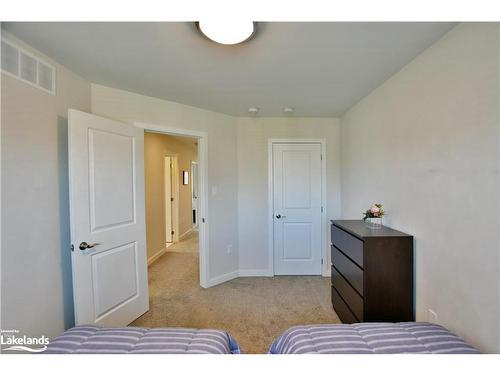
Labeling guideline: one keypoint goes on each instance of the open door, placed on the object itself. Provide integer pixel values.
(106, 180)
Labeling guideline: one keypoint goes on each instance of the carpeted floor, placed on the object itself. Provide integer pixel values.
(189, 244)
(254, 310)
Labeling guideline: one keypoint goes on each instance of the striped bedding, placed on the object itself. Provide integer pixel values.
(89, 339)
(369, 338)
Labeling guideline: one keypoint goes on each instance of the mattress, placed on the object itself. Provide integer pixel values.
(91, 339)
(369, 338)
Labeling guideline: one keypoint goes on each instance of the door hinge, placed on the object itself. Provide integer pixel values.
(321, 157)
(321, 260)
(202, 219)
(72, 247)
(321, 208)
(171, 199)
(172, 232)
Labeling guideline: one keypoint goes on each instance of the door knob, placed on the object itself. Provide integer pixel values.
(85, 245)
(278, 216)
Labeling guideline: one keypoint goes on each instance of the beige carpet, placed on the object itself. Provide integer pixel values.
(189, 244)
(254, 310)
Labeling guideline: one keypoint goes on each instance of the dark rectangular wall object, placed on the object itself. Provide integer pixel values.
(386, 269)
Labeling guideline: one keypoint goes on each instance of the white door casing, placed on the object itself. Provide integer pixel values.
(297, 216)
(106, 181)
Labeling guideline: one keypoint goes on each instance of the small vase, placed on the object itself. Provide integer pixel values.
(374, 222)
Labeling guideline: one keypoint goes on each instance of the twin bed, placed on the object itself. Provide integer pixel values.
(369, 338)
(359, 338)
(133, 340)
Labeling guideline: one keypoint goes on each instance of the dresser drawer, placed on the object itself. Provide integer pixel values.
(348, 269)
(348, 294)
(343, 312)
(350, 245)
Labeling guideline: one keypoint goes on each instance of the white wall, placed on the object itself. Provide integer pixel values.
(222, 160)
(426, 145)
(36, 287)
(253, 135)
(240, 180)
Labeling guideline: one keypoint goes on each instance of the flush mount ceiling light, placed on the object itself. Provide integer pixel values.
(288, 110)
(227, 32)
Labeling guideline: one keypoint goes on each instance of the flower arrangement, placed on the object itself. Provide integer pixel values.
(375, 211)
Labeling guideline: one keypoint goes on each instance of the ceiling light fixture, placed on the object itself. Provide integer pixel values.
(253, 110)
(227, 32)
(288, 110)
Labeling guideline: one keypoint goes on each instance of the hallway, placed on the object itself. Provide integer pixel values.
(188, 244)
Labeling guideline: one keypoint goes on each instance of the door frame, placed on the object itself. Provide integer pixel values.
(325, 271)
(174, 192)
(203, 226)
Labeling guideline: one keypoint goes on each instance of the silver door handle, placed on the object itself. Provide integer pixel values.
(85, 245)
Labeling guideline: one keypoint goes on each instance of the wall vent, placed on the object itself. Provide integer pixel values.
(20, 64)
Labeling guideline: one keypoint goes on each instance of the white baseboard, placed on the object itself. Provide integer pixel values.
(255, 273)
(268, 273)
(157, 255)
(222, 278)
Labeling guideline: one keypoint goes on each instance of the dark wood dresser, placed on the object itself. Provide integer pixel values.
(372, 273)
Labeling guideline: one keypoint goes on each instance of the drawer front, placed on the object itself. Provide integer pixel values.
(348, 294)
(343, 312)
(348, 269)
(350, 245)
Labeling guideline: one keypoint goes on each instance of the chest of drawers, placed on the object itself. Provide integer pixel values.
(372, 273)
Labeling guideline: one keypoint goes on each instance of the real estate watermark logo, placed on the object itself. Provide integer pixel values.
(12, 341)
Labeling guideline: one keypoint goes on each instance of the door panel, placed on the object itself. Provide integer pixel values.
(112, 281)
(296, 167)
(107, 210)
(297, 241)
(111, 194)
(297, 209)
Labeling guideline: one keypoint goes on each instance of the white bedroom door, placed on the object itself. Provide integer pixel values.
(297, 208)
(109, 265)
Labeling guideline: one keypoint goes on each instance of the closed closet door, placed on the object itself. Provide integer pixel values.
(297, 208)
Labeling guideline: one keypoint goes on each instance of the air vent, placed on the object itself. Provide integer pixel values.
(28, 68)
(45, 76)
